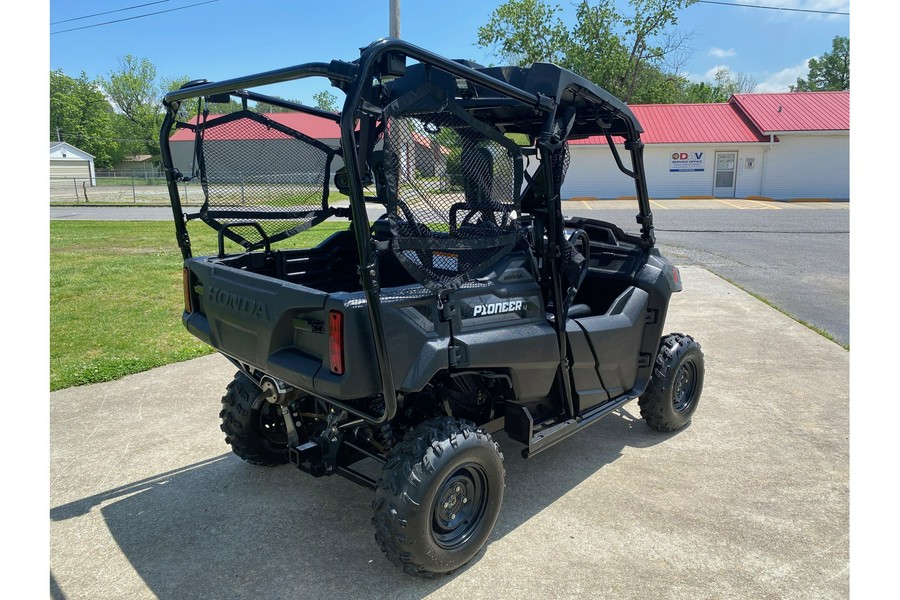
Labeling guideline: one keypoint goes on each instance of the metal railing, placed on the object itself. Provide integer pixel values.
(131, 188)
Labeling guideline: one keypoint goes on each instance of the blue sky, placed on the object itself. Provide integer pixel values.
(228, 38)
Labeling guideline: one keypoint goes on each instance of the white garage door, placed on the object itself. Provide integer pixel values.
(70, 169)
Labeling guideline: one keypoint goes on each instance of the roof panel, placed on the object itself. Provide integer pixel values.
(796, 111)
(719, 123)
(316, 127)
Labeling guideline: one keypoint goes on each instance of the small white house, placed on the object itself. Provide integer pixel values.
(780, 146)
(68, 164)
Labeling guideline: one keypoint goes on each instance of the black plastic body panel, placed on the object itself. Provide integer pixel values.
(281, 328)
(628, 288)
(611, 343)
(499, 324)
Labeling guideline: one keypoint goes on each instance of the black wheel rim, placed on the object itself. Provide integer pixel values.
(459, 506)
(685, 386)
(271, 424)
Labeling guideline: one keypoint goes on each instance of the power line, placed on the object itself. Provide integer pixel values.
(109, 12)
(785, 8)
(159, 12)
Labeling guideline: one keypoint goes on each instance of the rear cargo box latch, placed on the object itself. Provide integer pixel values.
(310, 325)
(457, 355)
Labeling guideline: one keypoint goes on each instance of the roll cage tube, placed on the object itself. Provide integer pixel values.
(357, 95)
(181, 234)
(635, 146)
(554, 233)
(645, 216)
(337, 72)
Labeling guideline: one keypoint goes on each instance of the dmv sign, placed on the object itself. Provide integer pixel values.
(686, 161)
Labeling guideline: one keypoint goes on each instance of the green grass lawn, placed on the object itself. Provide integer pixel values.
(116, 298)
(128, 180)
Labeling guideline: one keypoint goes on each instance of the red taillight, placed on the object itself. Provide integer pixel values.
(336, 341)
(186, 283)
(676, 275)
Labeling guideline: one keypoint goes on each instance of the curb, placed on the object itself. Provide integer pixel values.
(768, 199)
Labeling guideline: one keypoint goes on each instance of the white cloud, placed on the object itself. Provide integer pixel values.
(710, 75)
(783, 79)
(719, 53)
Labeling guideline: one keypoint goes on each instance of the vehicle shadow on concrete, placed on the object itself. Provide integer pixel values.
(221, 528)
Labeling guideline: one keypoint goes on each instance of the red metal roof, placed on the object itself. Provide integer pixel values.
(319, 128)
(745, 118)
(690, 124)
(796, 111)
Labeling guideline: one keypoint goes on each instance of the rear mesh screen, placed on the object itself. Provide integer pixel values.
(253, 168)
(453, 186)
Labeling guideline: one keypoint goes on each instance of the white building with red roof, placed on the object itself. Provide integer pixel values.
(255, 143)
(784, 146)
(262, 141)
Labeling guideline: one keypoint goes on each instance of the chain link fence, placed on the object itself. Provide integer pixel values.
(124, 188)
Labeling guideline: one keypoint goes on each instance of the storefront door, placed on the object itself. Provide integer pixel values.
(726, 172)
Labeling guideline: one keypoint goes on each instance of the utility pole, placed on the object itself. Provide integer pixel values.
(395, 19)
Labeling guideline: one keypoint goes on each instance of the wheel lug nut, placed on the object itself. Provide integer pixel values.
(446, 505)
(465, 499)
(452, 516)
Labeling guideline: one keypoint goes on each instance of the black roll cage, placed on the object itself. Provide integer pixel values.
(561, 105)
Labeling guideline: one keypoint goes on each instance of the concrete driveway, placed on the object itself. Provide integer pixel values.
(749, 501)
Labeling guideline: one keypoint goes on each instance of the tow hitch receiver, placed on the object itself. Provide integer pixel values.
(307, 457)
(312, 458)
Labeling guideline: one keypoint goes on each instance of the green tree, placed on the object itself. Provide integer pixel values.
(622, 53)
(645, 34)
(831, 72)
(525, 31)
(137, 93)
(265, 107)
(325, 100)
(657, 87)
(702, 92)
(81, 115)
(596, 51)
(221, 108)
(725, 84)
(734, 83)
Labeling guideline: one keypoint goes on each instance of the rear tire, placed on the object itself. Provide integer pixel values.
(438, 497)
(253, 428)
(674, 390)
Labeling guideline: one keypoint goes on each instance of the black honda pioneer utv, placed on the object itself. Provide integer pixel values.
(469, 306)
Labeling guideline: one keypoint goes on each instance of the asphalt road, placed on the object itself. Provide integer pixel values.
(795, 256)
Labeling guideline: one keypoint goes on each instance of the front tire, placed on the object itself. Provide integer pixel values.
(674, 390)
(438, 497)
(253, 428)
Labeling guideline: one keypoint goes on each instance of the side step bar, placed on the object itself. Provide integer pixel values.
(523, 426)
